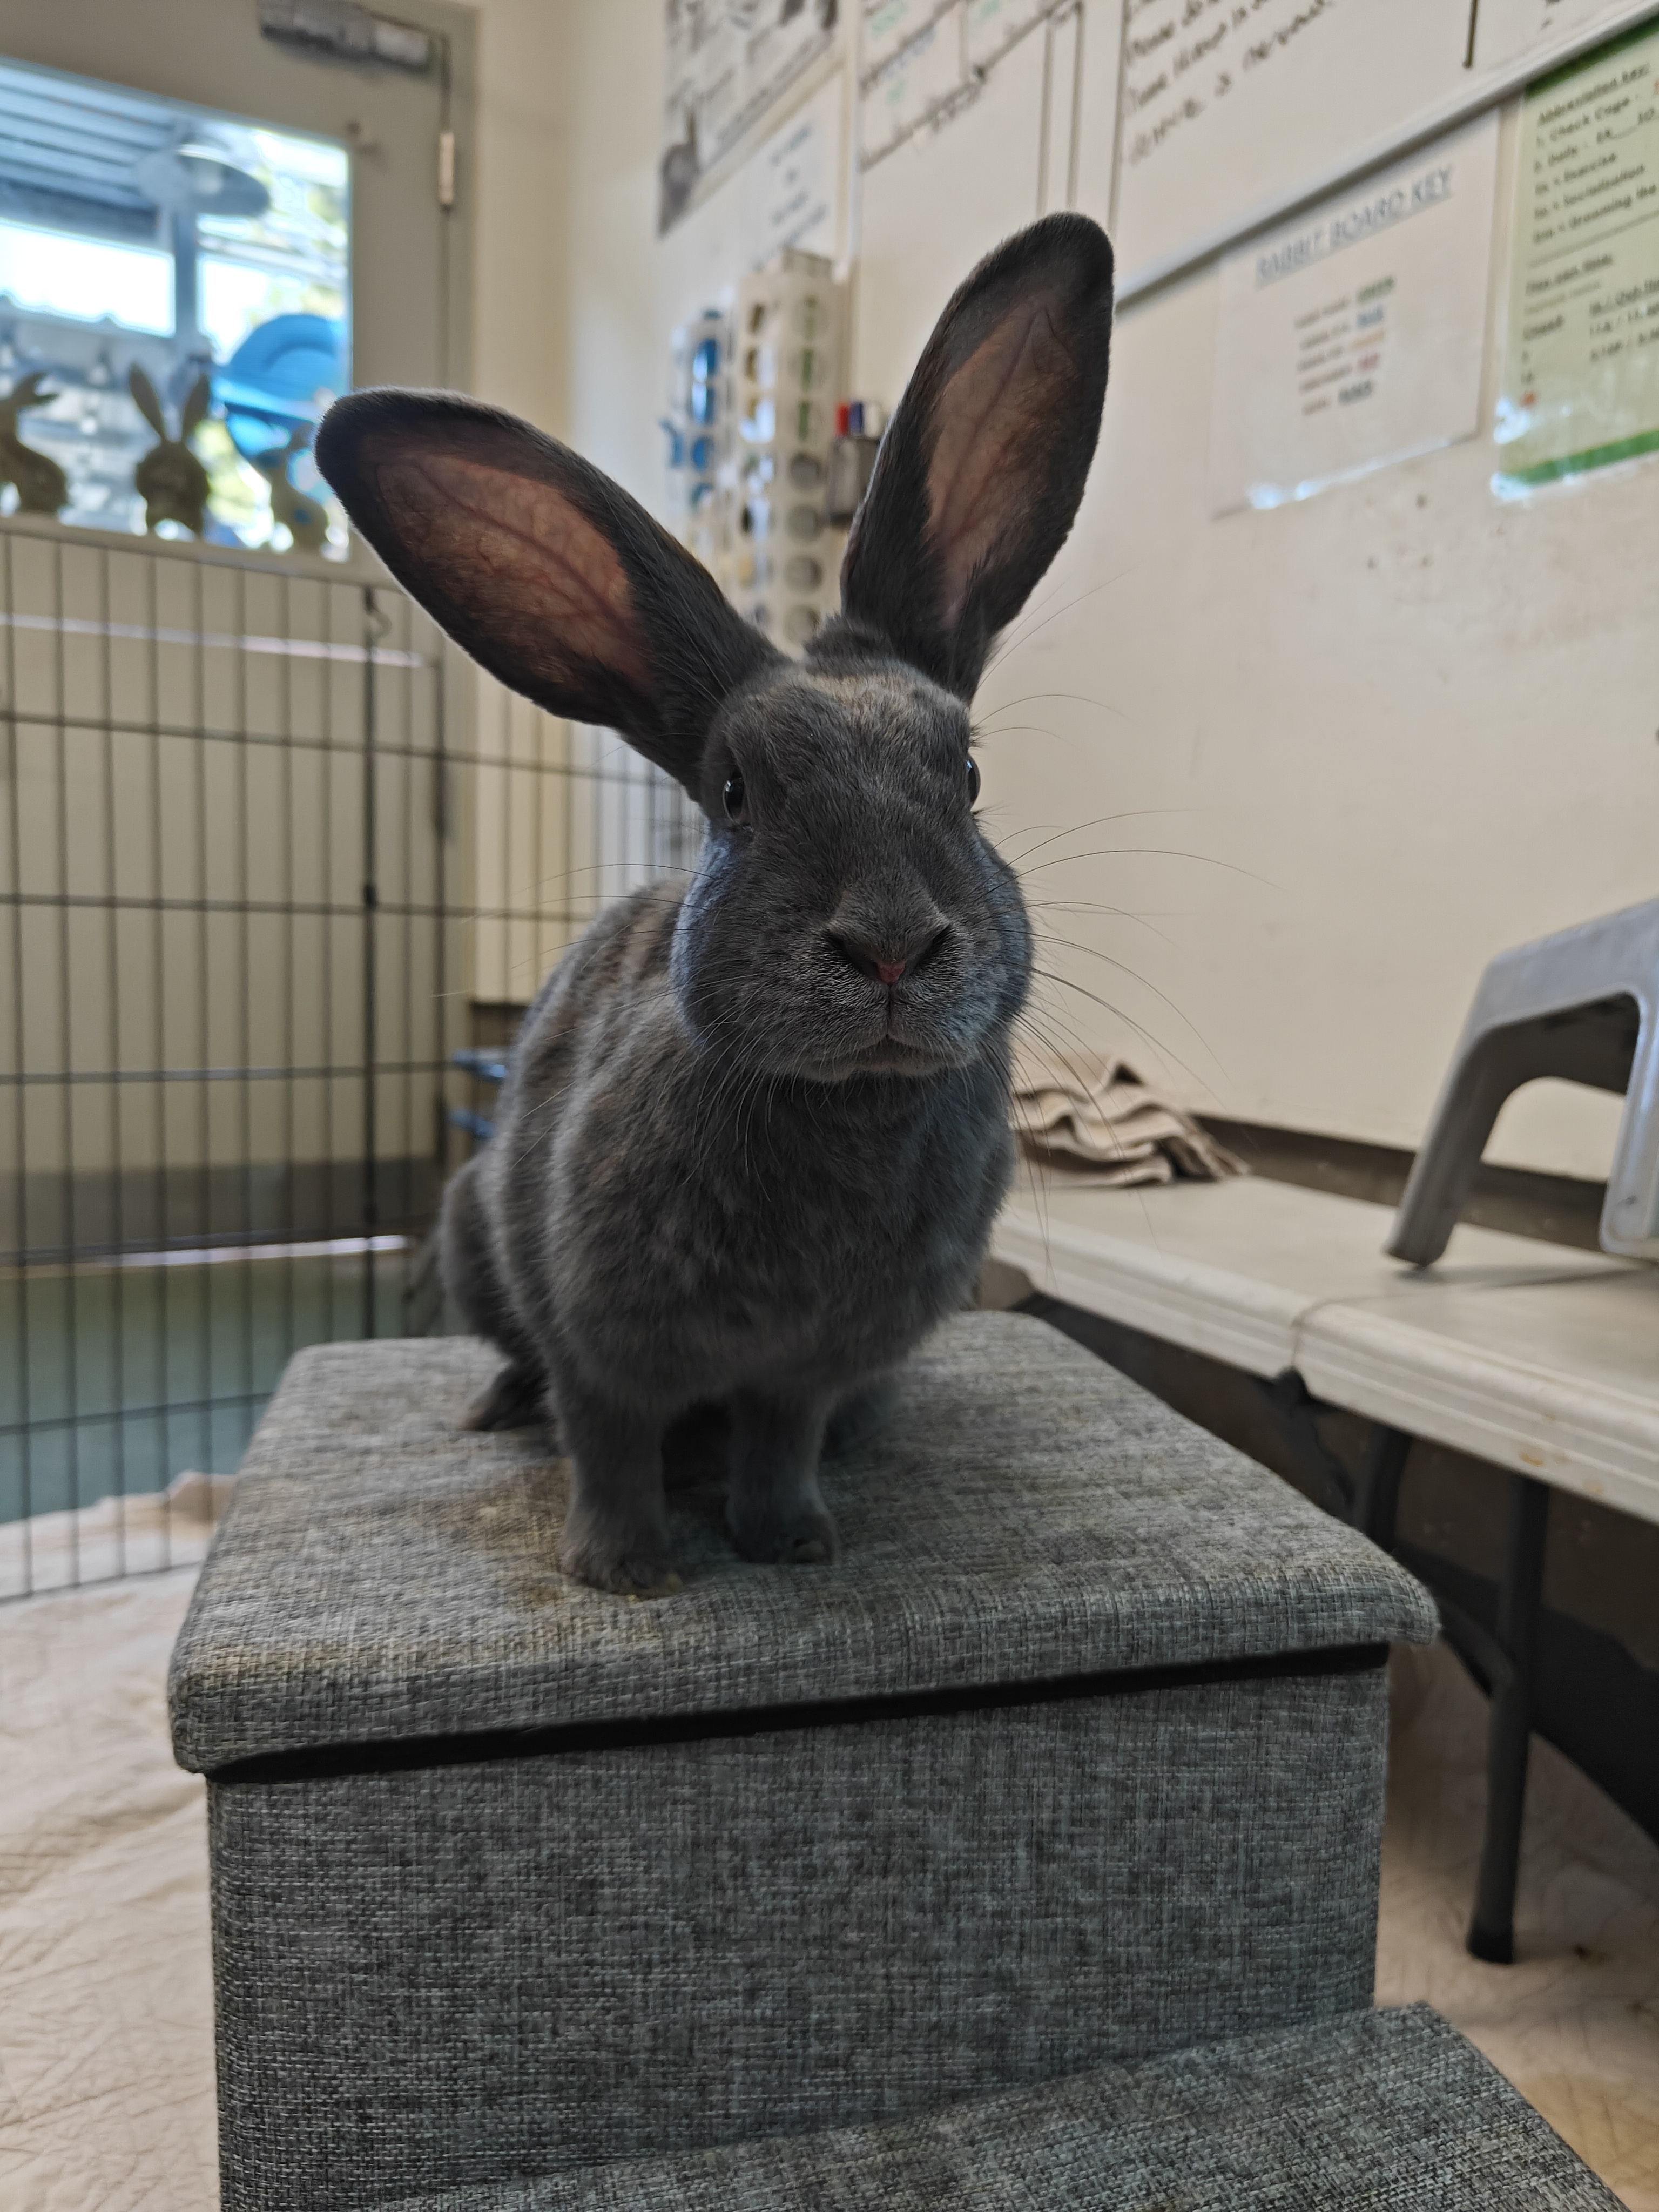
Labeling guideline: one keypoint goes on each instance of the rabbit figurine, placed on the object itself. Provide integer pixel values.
(756, 1128)
(42, 487)
(172, 483)
(305, 517)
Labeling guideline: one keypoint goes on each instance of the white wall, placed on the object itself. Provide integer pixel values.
(618, 380)
(519, 170)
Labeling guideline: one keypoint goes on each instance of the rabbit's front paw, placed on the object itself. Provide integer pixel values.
(625, 1571)
(805, 1539)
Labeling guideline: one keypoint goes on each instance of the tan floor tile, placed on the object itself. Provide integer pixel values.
(1575, 2022)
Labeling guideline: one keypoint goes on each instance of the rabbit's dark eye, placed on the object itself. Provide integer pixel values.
(973, 781)
(737, 803)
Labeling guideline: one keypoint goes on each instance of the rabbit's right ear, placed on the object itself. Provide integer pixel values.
(979, 477)
(150, 406)
(193, 413)
(545, 570)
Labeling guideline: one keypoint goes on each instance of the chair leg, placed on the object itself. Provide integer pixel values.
(1492, 1931)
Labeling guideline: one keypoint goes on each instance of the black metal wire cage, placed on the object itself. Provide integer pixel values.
(278, 871)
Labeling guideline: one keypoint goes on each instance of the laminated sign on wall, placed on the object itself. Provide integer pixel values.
(1355, 335)
(730, 63)
(1581, 364)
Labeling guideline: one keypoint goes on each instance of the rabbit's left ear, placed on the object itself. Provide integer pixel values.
(979, 477)
(545, 570)
(143, 394)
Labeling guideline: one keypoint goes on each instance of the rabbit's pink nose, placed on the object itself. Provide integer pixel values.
(873, 958)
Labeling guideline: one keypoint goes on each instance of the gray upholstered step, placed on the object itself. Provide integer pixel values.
(1027, 1514)
(1075, 1756)
(1383, 2111)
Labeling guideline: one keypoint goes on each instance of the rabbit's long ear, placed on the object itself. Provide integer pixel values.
(193, 413)
(150, 406)
(982, 466)
(545, 570)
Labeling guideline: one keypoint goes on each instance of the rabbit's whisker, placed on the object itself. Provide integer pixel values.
(1093, 952)
(1090, 905)
(1023, 631)
(1154, 852)
(1100, 821)
(1050, 975)
(1078, 698)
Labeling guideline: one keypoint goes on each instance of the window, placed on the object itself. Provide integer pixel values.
(137, 234)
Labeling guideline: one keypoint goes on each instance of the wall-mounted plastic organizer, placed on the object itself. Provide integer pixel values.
(753, 415)
(786, 375)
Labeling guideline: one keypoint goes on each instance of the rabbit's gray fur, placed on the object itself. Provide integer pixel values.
(737, 1174)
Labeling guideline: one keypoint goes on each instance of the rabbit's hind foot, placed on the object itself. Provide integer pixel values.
(514, 1398)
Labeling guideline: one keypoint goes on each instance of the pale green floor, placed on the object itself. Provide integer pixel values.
(190, 1352)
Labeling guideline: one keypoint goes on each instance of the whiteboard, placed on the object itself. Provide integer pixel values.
(1232, 105)
(1233, 113)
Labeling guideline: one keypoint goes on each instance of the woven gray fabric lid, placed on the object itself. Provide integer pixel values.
(1027, 1514)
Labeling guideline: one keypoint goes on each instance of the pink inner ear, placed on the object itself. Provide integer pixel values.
(529, 568)
(977, 490)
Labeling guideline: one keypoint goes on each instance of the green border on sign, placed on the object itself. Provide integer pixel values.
(1576, 464)
(1642, 442)
(1593, 59)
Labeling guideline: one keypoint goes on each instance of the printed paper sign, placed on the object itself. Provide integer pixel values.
(794, 183)
(1581, 360)
(1355, 335)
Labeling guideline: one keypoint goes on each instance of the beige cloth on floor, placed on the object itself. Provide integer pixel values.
(1091, 1119)
(145, 1533)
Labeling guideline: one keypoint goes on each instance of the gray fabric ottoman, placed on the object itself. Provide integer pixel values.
(1373, 2113)
(1076, 1756)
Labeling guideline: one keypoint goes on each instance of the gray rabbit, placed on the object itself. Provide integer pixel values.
(756, 1131)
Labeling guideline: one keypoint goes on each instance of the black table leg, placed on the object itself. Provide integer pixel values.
(1376, 1508)
(1491, 1932)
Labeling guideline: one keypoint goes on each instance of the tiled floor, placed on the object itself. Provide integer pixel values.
(106, 2053)
(1575, 2022)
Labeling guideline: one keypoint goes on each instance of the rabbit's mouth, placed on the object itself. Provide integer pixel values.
(898, 1049)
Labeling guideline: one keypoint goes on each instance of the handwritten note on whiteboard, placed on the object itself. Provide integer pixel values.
(1226, 104)
(1355, 335)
